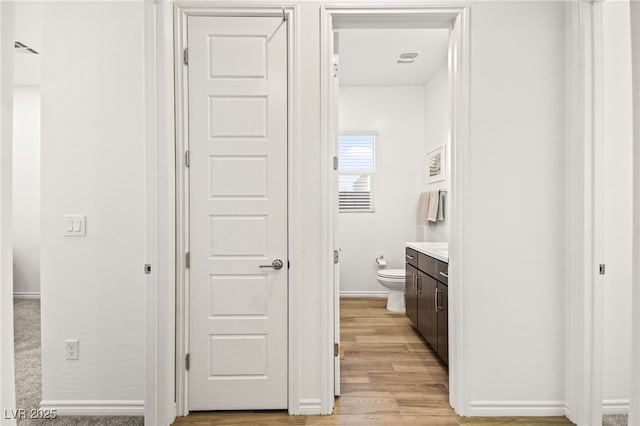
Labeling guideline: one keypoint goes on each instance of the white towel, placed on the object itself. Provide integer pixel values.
(423, 207)
(434, 202)
(441, 205)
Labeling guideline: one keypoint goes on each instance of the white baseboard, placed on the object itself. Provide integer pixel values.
(26, 295)
(381, 293)
(517, 408)
(173, 412)
(95, 408)
(309, 407)
(612, 407)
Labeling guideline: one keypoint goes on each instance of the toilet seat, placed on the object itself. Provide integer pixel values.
(398, 274)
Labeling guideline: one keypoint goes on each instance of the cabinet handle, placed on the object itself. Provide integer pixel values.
(435, 296)
(409, 257)
(446, 275)
(418, 286)
(414, 283)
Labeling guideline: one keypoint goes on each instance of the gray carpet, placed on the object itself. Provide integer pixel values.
(28, 372)
(621, 420)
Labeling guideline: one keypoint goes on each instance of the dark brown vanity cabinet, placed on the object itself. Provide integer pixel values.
(443, 323)
(427, 314)
(427, 300)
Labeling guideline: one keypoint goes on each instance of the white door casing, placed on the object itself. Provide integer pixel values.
(237, 126)
(336, 231)
(338, 17)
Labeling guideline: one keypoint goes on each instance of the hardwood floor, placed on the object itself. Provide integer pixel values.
(390, 376)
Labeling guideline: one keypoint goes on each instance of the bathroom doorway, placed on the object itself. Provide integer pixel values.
(391, 103)
(393, 110)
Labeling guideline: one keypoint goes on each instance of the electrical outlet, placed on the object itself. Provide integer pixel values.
(71, 348)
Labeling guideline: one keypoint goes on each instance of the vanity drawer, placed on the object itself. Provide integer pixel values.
(411, 257)
(433, 267)
(428, 265)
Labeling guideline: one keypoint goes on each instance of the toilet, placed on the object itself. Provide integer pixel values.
(393, 280)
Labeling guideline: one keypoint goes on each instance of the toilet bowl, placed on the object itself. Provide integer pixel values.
(393, 280)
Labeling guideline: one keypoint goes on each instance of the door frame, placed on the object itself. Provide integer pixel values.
(182, 12)
(634, 405)
(584, 224)
(403, 16)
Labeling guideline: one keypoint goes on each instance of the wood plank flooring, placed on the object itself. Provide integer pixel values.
(390, 376)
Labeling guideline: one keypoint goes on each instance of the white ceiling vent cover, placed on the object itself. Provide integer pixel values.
(23, 48)
(407, 57)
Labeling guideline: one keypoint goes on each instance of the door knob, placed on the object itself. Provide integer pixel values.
(276, 264)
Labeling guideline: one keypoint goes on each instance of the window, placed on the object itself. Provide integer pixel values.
(356, 161)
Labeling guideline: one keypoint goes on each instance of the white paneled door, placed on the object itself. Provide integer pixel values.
(237, 123)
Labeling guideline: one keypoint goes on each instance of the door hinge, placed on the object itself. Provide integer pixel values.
(187, 259)
(187, 159)
(335, 163)
(336, 256)
(147, 269)
(187, 361)
(336, 349)
(335, 69)
(185, 56)
(602, 269)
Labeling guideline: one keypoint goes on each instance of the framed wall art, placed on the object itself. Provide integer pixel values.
(436, 165)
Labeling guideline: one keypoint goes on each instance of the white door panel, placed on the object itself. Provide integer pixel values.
(237, 118)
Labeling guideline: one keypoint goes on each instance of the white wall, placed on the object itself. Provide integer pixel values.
(618, 174)
(437, 127)
(93, 164)
(26, 190)
(7, 375)
(397, 115)
(514, 304)
(514, 283)
(28, 30)
(92, 287)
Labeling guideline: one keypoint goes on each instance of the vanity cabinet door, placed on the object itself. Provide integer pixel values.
(410, 299)
(443, 323)
(427, 314)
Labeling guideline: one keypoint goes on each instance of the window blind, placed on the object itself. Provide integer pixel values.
(355, 173)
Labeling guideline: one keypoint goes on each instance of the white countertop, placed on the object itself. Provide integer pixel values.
(439, 251)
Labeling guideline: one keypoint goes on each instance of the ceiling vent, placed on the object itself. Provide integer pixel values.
(23, 48)
(407, 57)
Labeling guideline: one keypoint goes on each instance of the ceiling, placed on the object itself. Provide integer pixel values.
(368, 57)
(26, 69)
(28, 30)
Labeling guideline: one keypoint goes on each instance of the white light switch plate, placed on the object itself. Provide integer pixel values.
(75, 225)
